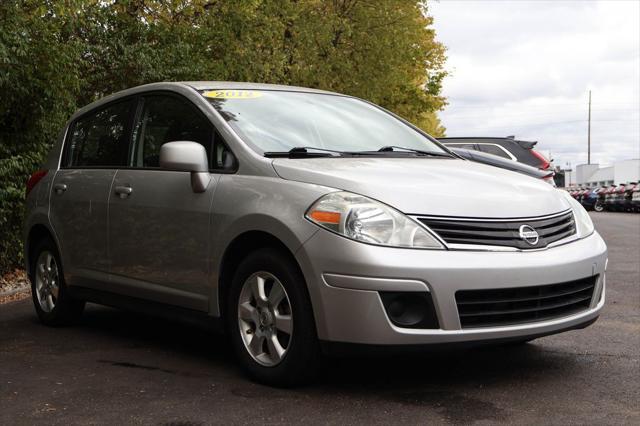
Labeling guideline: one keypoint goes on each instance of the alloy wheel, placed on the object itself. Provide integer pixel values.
(265, 318)
(47, 281)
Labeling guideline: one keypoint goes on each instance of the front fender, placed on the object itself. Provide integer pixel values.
(256, 203)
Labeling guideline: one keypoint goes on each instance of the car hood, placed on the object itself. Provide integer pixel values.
(428, 186)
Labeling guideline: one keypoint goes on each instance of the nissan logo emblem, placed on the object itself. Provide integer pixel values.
(529, 234)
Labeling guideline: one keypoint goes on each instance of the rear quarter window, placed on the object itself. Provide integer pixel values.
(495, 150)
(462, 145)
(100, 138)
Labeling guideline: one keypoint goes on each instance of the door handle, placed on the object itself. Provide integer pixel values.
(59, 188)
(123, 191)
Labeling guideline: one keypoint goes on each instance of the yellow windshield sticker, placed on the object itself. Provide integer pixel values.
(232, 94)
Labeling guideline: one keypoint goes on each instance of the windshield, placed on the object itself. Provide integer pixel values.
(277, 121)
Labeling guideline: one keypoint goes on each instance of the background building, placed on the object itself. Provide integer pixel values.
(593, 175)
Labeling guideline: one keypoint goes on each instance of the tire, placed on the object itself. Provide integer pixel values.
(51, 299)
(598, 206)
(518, 342)
(263, 361)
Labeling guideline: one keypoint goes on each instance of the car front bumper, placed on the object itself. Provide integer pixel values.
(345, 277)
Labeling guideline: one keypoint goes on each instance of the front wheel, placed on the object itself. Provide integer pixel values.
(270, 320)
(598, 206)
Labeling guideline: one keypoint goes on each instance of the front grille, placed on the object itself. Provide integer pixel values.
(508, 306)
(504, 233)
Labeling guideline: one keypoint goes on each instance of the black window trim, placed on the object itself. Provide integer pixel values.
(134, 115)
(66, 151)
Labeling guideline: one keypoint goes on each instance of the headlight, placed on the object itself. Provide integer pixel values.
(584, 224)
(363, 219)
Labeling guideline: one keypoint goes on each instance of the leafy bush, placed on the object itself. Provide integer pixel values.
(58, 55)
(38, 90)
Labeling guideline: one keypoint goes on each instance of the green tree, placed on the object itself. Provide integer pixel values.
(58, 55)
(38, 89)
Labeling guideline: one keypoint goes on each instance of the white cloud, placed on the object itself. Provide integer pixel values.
(524, 68)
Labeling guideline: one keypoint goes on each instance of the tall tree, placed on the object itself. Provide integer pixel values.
(58, 55)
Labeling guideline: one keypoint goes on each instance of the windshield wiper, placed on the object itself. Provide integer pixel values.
(304, 152)
(394, 148)
(314, 152)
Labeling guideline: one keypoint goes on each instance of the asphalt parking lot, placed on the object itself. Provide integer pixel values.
(122, 368)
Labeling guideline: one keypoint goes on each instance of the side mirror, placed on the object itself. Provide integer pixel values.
(185, 156)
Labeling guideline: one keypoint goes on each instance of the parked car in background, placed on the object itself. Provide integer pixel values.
(503, 163)
(590, 200)
(574, 192)
(609, 195)
(628, 196)
(634, 203)
(577, 193)
(602, 194)
(599, 201)
(509, 147)
(196, 200)
(584, 191)
(618, 198)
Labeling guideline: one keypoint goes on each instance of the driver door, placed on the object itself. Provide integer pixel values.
(158, 227)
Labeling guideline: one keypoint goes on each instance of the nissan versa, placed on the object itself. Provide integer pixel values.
(300, 221)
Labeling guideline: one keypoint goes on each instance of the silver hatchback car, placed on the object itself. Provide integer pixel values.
(301, 222)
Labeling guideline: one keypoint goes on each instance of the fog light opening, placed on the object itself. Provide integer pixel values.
(410, 309)
(407, 310)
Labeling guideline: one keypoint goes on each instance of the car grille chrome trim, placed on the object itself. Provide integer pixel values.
(521, 305)
(501, 234)
(492, 219)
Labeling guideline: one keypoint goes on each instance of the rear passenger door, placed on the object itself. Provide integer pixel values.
(95, 146)
(158, 227)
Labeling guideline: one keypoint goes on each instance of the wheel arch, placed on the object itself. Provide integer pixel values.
(37, 233)
(237, 250)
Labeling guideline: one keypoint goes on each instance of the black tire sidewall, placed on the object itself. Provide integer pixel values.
(300, 361)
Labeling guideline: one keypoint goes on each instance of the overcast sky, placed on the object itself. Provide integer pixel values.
(524, 68)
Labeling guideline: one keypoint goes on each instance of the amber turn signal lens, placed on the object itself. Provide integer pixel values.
(325, 217)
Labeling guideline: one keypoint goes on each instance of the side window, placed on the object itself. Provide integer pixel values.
(222, 159)
(100, 139)
(495, 150)
(462, 145)
(168, 119)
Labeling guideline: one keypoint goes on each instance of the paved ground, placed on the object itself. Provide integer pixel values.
(120, 368)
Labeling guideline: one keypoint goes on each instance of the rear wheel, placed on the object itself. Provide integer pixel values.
(270, 320)
(51, 300)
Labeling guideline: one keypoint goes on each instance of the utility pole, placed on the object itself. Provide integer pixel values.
(589, 133)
